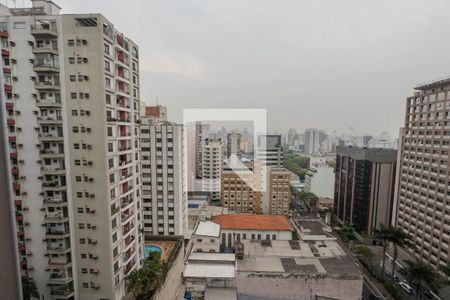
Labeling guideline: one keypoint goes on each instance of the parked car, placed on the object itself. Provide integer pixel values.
(406, 287)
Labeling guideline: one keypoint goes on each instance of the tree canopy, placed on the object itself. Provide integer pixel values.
(296, 163)
(143, 282)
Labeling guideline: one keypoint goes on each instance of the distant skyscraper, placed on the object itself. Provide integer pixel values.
(423, 209)
(233, 145)
(366, 139)
(313, 140)
(165, 199)
(364, 187)
(269, 150)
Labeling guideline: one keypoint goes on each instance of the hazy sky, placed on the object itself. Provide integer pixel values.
(331, 64)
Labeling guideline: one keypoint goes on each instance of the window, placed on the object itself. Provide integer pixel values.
(107, 66)
(20, 25)
(107, 49)
(70, 42)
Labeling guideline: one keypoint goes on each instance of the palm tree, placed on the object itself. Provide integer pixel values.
(398, 238)
(347, 231)
(143, 282)
(419, 273)
(383, 234)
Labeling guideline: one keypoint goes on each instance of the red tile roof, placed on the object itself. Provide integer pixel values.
(253, 222)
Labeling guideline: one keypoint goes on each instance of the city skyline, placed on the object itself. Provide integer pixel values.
(210, 54)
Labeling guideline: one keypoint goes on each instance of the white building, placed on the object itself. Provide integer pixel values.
(71, 91)
(313, 140)
(202, 132)
(206, 237)
(165, 198)
(239, 227)
(212, 161)
(207, 273)
(319, 179)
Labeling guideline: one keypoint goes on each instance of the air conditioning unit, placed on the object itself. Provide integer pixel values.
(92, 195)
(21, 161)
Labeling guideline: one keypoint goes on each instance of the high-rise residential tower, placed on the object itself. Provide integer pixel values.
(165, 198)
(233, 145)
(212, 161)
(423, 206)
(72, 97)
(313, 140)
(202, 131)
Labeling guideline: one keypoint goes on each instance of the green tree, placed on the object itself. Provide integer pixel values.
(419, 273)
(347, 231)
(296, 163)
(365, 255)
(309, 199)
(383, 235)
(29, 288)
(399, 239)
(143, 282)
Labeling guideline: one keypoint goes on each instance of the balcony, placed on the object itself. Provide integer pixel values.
(11, 122)
(54, 201)
(45, 49)
(59, 277)
(59, 233)
(64, 291)
(55, 217)
(52, 170)
(50, 120)
(48, 103)
(47, 85)
(5, 53)
(44, 30)
(50, 137)
(58, 248)
(46, 67)
(49, 153)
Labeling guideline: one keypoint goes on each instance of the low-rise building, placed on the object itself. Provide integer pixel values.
(206, 272)
(319, 179)
(206, 237)
(296, 270)
(239, 227)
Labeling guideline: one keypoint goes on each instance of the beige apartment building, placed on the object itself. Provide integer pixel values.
(423, 187)
(72, 109)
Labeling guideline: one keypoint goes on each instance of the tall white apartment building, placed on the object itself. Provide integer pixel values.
(212, 161)
(71, 98)
(164, 193)
(202, 131)
(313, 140)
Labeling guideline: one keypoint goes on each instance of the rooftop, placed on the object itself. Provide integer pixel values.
(208, 228)
(206, 256)
(324, 257)
(253, 222)
(209, 270)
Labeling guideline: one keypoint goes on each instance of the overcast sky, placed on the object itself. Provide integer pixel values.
(331, 64)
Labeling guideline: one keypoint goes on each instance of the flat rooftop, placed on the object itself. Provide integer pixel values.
(208, 228)
(209, 270)
(315, 257)
(213, 257)
(253, 222)
(166, 245)
(313, 227)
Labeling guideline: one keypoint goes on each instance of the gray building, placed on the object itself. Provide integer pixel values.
(269, 150)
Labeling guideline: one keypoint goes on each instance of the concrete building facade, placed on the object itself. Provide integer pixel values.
(319, 179)
(212, 161)
(423, 183)
(164, 194)
(76, 185)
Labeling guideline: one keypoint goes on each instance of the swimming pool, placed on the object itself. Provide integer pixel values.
(152, 248)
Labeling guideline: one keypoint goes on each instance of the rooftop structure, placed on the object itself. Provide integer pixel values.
(208, 228)
(253, 222)
(297, 270)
